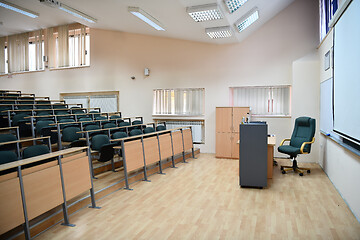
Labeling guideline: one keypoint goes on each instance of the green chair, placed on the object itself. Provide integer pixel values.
(109, 125)
(300, 143)
(66, 120)
(7, 138)
(101, 143)
(135, 132)
(70, 134)
(42, 124)
(100, 118)
(149, 130)
(160, 128)
(7, 157)
(35, 150)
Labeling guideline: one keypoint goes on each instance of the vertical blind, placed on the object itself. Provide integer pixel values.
(180, 101)
(2, 55)
(106, 102)
(273, 100)
(64, 46)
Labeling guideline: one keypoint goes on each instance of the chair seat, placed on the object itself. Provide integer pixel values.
(292, 151)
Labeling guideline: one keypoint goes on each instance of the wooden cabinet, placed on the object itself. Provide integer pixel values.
(227, 130)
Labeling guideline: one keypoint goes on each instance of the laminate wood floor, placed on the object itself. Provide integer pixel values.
(203, 200)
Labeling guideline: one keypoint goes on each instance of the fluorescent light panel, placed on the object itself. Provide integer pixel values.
(18, 9)
(219, 32)
(247, 20)
(138, 12)
(234, 5)
(205, 12)
(77, 13)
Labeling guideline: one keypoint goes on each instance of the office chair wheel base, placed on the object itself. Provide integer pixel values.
(308, 171)
(301, 174)
(283, 171)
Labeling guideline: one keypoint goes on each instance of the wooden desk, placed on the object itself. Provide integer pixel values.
(270, 155)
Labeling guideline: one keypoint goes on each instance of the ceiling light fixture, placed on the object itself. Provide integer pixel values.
(234, 5)
(77, 13)
(68, 9)
(205, 12)
(219, 32)
(138, 12)
(247, 19)
(18, 9)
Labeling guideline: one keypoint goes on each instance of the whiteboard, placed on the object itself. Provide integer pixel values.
(326, 109)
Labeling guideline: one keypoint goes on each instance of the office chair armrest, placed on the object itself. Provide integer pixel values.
(282, 142)
(304, 144)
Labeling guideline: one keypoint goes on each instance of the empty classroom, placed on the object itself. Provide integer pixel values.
(179, 119)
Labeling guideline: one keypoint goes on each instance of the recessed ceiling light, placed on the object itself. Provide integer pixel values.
(138, 12)
(219, 32)
(247, 19)
(205, 12)
(18, 9)
(234, 5)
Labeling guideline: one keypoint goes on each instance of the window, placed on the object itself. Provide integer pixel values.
(106, 101)
(271, 100)
(69, 46)
(179, 101)
(327, 10)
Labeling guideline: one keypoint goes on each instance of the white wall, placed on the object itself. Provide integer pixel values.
(307, 90)
(264, 58)
(341, 165)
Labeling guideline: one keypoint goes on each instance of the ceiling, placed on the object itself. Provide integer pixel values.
(114, 15)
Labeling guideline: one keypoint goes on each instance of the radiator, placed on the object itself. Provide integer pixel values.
(196, 126)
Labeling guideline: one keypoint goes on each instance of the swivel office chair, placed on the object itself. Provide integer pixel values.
(300, 143)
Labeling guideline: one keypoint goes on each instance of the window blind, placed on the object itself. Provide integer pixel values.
(270, 100)
(179, 101)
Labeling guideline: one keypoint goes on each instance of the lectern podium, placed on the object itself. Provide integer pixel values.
(253, 155)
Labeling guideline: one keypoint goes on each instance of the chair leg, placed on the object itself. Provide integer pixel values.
(295, 168)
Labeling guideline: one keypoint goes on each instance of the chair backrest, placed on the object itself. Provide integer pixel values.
(85, 119)
(98, 141)
(136, 122)
(118, 135)
(100, 118)
(7, 157)
(7, 138)
(114, 117)
(70, 134)
(135, 132)
(41, 124)
(160, 128)
(149, 130)
(35, 150)
(109, 125)
(19, 117)
(304, 131)
(123, 124)
(91, 127)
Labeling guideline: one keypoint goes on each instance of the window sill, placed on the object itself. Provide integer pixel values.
(16, 73)
(270, 116)
(64, 68)
(174, 116)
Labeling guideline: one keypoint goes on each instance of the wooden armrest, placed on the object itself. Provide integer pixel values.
(304, 144)
(286, 139)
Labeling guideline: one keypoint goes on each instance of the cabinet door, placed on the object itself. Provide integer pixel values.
(238, 114)
(223, 145)
(234, 145)
(223, 119)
